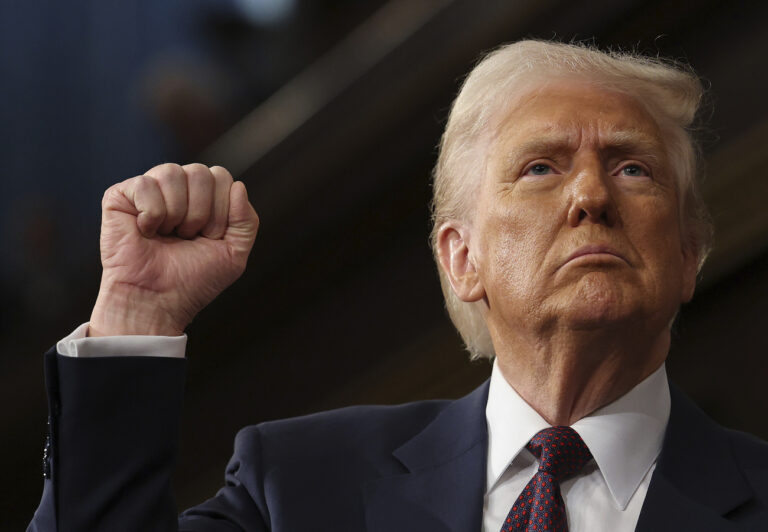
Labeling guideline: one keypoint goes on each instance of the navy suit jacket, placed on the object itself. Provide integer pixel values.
(415, 467)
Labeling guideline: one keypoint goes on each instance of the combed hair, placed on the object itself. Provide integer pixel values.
(670, 92)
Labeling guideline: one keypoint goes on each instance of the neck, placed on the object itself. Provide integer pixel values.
(573, 373)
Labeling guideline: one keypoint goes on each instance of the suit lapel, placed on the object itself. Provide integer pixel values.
(444, 487)
(697, 480)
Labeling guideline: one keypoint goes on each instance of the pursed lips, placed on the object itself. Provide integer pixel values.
(594, 249)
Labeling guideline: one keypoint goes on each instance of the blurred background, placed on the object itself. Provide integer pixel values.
(330, 111)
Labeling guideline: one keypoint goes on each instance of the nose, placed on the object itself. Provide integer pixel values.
(591, 197)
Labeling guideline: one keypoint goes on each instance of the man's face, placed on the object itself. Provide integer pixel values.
(576, 222)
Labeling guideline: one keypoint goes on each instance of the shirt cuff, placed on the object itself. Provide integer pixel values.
(79, 345)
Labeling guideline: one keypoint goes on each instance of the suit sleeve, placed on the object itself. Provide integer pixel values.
(113, 441)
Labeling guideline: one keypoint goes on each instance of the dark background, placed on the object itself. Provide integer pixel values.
(330, 111)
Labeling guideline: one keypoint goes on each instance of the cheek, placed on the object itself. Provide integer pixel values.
(514, 247)
(659, 243)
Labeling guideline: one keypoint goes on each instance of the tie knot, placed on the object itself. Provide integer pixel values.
(560, 450)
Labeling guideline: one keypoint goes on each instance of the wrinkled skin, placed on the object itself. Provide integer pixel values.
(575, 247)
(171, 241)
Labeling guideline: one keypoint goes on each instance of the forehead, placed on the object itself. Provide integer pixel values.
(575, 112)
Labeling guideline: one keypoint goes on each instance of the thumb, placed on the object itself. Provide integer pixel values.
(243, 222)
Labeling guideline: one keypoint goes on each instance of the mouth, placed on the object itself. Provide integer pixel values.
(595, 253)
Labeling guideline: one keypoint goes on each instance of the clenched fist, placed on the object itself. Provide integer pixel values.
(171, 241)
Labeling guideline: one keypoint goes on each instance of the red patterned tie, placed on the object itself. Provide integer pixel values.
(561, 453)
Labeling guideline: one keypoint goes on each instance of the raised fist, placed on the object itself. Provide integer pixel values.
(171, 241)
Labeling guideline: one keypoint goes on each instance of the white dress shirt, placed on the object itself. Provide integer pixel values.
(624, 437)
(78, 344)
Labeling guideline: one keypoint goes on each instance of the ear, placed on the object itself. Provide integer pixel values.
(457, 262)
(690, 272)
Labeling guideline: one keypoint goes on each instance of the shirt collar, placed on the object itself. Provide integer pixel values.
(624, 436)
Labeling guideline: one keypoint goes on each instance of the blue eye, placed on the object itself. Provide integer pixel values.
(539, 169)
(634, 170)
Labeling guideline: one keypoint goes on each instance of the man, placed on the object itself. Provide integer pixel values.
(567, 231)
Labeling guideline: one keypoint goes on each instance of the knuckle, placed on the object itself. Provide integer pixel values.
(221, 174)
(144, 183)
(109, 195)
(201, 181)
(197, 170)
(166, 171)
(224, 181)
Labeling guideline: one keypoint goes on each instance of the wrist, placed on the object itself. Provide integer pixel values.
(129, 311)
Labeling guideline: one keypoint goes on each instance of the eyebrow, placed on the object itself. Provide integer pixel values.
(632, 141)
(617, 141)
(540, 146)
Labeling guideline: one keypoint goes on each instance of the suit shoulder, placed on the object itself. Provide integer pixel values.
(342, 448)
(350, 426)
(352, 438)
(751, 451)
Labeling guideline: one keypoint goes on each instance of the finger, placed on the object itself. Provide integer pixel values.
(144, 193)
(199, 200)
(217, 224)
(172, 181)
(242, 224)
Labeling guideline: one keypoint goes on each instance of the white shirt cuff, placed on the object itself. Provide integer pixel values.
(78, 344)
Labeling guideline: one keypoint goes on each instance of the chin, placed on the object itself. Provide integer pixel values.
(599, 301)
